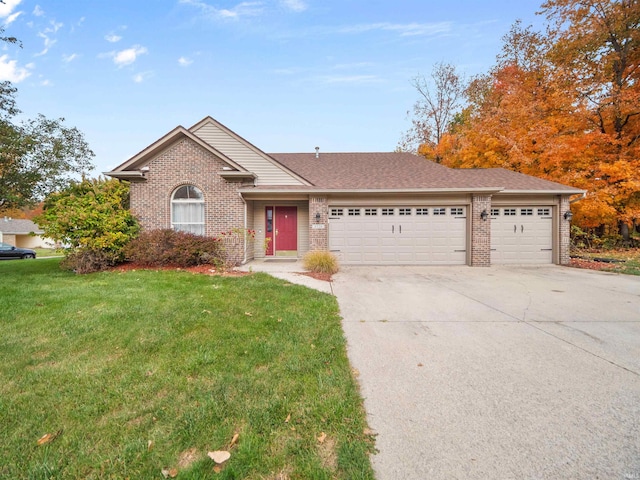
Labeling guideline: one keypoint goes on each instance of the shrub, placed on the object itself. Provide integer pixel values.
(158, 248)
(320, 261)
(89, 260)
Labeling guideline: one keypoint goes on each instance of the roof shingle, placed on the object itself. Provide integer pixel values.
(400, 170)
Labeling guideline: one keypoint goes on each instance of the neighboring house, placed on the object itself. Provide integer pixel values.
(22, 233)
(368, 208)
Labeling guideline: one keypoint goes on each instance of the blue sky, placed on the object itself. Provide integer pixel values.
(288, 75)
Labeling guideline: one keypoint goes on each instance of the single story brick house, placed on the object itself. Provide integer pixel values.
(367, 208)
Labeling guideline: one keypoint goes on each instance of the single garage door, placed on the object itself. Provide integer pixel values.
(398, 235)
(521, 235)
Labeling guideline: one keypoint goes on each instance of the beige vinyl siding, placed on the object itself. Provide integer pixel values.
(303, 225)
(267, 172)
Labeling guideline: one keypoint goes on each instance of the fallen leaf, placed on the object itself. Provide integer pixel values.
(206, 311)
(286, 420)
(248, 314)
(173, 473)
(149, 445)
(219, 456)
(322, 437)
(217, 468)
(165, 473)
(48, 437)
(234, 440)
(279, 319)
(420, 365)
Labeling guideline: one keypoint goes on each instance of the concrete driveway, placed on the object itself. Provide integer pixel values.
(497, 373)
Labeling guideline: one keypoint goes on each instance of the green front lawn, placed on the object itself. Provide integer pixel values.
(132, 373)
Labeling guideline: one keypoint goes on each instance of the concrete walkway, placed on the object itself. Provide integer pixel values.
(287, 269)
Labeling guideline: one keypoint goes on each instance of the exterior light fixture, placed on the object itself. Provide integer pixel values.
(484, 215)
(318, 217)
(568, 215)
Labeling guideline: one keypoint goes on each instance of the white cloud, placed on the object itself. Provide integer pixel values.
(9, 70)
(295, 5)
(243, 9)
(112, 38)
(45, 35)
(7, 7)
(45, 83)
(37, 11)
(69, 58)
(48, 43)
(184, 61)
(11, 18)
(127, 56)
(350, 79)
(142, 76)
(404, 29)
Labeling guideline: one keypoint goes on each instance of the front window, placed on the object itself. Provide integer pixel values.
(187, 210)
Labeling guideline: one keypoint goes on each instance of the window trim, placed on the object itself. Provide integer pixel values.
(190, 201)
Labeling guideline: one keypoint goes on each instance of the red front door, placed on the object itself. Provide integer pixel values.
(286, 228)
(281, 226)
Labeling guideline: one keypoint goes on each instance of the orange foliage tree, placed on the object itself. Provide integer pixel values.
(563, 106)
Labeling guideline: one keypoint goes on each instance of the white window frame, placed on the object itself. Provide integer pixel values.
(197, 225)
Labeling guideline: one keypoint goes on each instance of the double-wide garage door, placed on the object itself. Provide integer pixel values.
(521, 235)
(398, 235)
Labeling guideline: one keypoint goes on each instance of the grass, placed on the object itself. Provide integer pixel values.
(623, 260)
(142, 371)
(48, 252)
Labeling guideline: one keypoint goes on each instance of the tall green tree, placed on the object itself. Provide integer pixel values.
(38, 156)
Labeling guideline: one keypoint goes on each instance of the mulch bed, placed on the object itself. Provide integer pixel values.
(590, 264)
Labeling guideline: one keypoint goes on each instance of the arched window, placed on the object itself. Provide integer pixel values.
(187, 209)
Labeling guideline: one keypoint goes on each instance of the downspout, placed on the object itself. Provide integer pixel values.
(244, 246)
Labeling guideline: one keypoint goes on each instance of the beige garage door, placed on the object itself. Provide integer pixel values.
(398, 235)
(521, 235)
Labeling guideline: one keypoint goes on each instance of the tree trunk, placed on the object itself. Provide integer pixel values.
(623, 228)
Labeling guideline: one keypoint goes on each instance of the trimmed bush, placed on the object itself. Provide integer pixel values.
(159, 248)
(321, 261)
(88, 260)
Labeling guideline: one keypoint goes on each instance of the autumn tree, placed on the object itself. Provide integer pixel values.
(596, 45)
(565, 106)
(438, 102)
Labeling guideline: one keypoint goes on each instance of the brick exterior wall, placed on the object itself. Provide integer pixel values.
(187, 163)
(480, 231)
(318, 237)
(564, 232)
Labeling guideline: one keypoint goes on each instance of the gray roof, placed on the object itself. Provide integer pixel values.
(12, 226)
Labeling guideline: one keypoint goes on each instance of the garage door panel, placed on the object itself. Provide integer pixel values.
(521, 235)
(399, 235)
